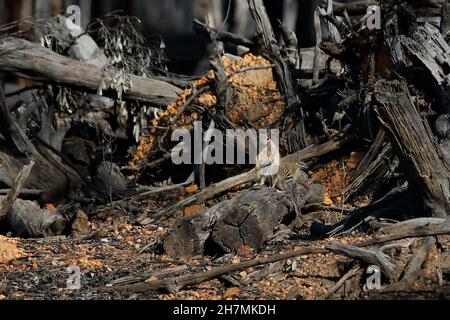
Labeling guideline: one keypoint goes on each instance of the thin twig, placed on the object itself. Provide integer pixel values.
(12, 195)
(350, 274)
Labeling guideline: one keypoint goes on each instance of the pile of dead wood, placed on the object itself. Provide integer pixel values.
(388, 97)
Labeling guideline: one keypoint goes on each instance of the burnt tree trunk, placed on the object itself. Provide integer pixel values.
(445, 20)
(18, 151)
(413, 141)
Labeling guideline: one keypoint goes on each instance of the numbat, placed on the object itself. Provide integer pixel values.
(270, 169)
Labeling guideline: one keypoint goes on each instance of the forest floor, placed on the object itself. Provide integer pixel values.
(117, 248)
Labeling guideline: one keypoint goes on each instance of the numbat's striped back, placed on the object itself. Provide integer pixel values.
(289, 171)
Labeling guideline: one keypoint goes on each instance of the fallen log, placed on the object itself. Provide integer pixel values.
(414, 143)
(247, 220)
(409, 225)
(174, 285)
(420, 232)
(30, 60)
(26, 219)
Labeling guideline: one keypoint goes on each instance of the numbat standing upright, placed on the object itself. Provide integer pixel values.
(270, 169)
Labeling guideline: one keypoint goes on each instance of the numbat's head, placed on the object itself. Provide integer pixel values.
(268, 156)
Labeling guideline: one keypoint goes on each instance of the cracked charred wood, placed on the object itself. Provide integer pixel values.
(374, 171)
(445, 20)
(247, 220)
(426, 47)
(414, 144)
(30, 60)
(16, 154)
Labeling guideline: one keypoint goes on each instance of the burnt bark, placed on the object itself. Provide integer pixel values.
(30, 60)
(413, 141)
(247, 220)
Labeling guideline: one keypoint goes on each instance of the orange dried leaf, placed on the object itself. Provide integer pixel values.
(327, 200)
(231, 293)
(190, 211)
(244, 251)
(191, 189)
(51, 207)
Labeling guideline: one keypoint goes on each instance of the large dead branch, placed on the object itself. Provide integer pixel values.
(372, 257)
(420, 232)
(414, 267)
(178, 283)
(32, 61)
(246, 220)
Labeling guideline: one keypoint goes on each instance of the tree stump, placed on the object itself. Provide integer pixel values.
(247, 220)
(411, 136)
